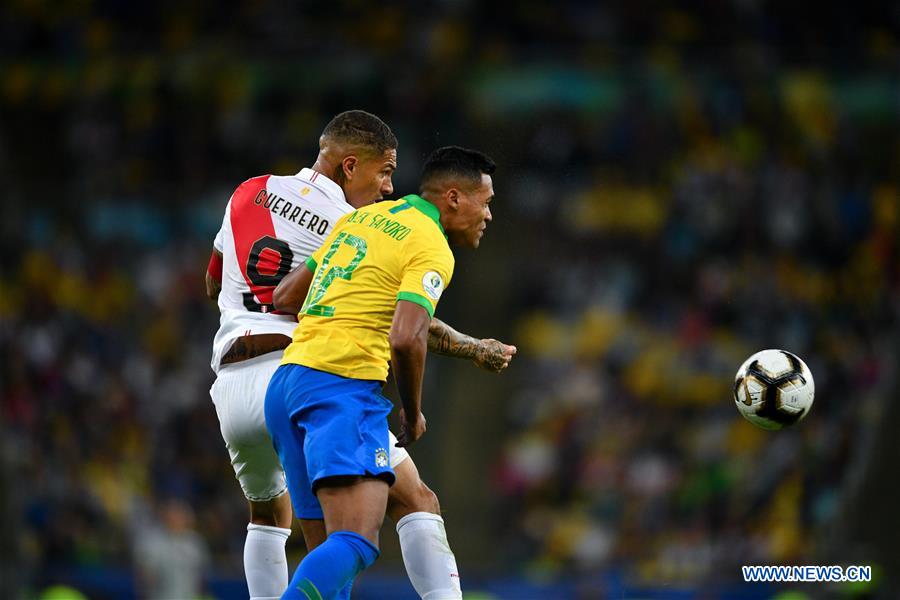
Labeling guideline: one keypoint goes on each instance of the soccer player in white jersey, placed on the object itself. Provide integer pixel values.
(271, 225)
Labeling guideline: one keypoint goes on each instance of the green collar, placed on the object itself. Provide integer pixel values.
(427, 208)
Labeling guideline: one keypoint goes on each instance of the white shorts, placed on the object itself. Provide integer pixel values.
(397, 455)
(239, 395)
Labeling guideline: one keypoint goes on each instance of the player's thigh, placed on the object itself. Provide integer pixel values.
(346, 428)
(239, 397)
(409, 493)
(289, 439)
(343, 425)
(354, 504)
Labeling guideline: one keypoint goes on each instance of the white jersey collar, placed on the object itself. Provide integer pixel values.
(322, 182)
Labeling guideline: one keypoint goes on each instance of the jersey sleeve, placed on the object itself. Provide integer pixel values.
(427, 272)
(219, 242)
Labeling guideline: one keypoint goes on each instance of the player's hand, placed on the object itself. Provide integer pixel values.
(410, 429)
(493, 355)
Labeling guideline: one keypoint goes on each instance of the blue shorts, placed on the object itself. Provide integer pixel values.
(325, 425)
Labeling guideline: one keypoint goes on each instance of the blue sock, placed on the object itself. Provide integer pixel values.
(331, 567)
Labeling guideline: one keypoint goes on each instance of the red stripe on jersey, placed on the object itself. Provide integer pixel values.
(251, 220)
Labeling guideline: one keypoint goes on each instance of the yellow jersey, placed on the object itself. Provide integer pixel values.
(374, 256)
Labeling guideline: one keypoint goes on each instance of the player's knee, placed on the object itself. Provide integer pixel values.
(272, 513)
(426, 500)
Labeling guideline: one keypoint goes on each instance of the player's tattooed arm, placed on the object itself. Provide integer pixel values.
(238, 351)
(487, 354)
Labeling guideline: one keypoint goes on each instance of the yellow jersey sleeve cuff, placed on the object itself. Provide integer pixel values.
(417, 299)
(311, 264)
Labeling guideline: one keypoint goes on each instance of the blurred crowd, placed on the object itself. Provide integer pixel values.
(626, 445)
(105, 410)
(676, 191)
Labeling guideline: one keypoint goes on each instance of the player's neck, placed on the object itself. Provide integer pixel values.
(430, 197)
(318, 168)
(324, 166)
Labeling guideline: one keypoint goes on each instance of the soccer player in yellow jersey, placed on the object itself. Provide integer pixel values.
(372, 290)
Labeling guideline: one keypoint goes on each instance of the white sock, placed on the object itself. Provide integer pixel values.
(429, 560)
(265, 562)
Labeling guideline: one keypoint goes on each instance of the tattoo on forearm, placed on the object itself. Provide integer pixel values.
(487, 354)
(443, 339)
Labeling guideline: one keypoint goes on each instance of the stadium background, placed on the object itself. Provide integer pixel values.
(677, 188)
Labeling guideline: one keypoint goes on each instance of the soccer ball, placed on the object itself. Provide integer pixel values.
(773, 389)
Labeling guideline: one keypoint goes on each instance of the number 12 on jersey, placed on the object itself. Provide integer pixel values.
(326, 273)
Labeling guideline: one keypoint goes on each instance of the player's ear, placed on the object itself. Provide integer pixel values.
(349, 165)
(452, 198)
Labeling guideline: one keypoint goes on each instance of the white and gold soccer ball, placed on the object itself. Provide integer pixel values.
(774, 389)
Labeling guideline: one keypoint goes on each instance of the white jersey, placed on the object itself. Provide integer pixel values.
(272, 225)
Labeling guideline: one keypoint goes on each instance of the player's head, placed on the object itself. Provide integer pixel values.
(359, 152)
(458, 181)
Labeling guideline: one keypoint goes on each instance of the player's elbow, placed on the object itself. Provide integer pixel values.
(284, 300)
(279, 297)
(407, 343)
(290, 292)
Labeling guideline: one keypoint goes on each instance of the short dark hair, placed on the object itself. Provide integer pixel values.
(359, 128)
(457, 162)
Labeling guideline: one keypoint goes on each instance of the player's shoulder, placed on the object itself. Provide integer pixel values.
(427, 218)
(298, 185)
(428, 238)
(392, 209)
(253, 183)
(248, 191)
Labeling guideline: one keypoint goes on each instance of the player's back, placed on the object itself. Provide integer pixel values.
(271, 225)
(377, 255)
